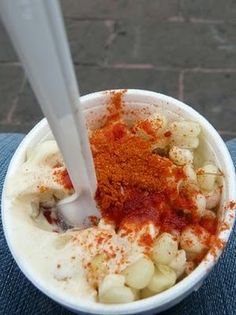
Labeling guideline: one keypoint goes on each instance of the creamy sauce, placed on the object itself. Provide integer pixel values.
(62, 260)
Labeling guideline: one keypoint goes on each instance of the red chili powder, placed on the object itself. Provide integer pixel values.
(217, 245)
(115, 104)
(134, 184)
(62, 177)
(146, 240)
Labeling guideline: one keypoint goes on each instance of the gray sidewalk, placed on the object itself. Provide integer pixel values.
(183, 48)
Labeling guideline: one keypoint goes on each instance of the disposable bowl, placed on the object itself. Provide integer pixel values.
(94, 106)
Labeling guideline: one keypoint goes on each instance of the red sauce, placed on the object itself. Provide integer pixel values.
(47, 214)
(50, 217)
(142, 207)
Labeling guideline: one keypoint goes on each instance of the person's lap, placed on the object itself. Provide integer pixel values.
(18, 296)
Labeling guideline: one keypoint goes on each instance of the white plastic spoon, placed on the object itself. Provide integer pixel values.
(37, 32)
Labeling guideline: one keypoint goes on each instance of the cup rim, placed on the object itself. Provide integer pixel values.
(164, 298)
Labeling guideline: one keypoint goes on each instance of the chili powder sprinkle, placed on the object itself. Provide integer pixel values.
(62, 177)
(135, 184)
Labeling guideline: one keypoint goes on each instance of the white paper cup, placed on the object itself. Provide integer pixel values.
(95, 106)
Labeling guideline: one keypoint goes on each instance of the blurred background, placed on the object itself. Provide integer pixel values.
(183, 48)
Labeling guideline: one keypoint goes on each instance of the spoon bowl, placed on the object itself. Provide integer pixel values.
(78, 210)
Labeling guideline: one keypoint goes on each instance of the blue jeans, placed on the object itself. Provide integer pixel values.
(217, 296)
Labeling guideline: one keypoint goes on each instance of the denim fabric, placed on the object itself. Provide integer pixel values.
(217, 296)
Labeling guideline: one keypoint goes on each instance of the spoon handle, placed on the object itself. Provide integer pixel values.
(49, 68)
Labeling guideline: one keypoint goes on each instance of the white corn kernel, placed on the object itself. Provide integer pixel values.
(111, 281)
(194, 240)
(185, 142)
(209, 214)
(207, 177)
(212, 198)
(115, 295)
(201, 204)
(185, 128)
(163, 278)
(164, 249)
(180, 156)
(158, 122)
(178, 264)
(145, 293)
(139, 274)
(190, 173)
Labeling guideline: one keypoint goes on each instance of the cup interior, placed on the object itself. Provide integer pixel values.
(141, 103)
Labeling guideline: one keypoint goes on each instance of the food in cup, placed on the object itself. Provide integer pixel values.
(158, 209)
